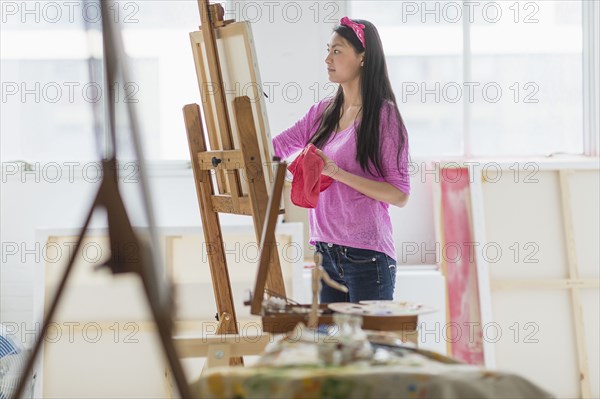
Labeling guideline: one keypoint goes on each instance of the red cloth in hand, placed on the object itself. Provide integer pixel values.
(308, 181)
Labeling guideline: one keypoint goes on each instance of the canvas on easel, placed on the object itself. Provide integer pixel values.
(241, 77)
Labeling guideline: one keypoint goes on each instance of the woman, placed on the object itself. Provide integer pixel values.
(362, 140)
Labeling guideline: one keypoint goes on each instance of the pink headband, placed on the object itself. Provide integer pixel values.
(357, 28)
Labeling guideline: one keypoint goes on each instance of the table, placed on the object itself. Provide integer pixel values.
(418, 375)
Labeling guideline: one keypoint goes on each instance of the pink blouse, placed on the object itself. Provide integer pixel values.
(343, 215)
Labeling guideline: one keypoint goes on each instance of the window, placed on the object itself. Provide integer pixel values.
(484, 78)
(46, 93)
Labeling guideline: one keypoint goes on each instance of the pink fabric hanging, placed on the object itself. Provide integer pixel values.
(308, 181)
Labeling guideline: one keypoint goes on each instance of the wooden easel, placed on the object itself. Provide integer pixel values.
(227, 162)
(128, 252)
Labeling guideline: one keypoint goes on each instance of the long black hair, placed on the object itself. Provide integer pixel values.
(375, 89)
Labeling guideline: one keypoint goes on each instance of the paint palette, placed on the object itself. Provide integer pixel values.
(381, 308)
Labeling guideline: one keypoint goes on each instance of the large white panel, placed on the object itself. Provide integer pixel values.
(427, 287)
(536, 338)
(523, 218)
(109, 363)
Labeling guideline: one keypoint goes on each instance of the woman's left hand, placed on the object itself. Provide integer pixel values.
(329, 168)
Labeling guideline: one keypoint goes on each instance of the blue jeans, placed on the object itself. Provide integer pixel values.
(368, 274)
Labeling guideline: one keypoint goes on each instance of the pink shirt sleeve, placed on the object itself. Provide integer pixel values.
(296, 137)
(395, 169)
